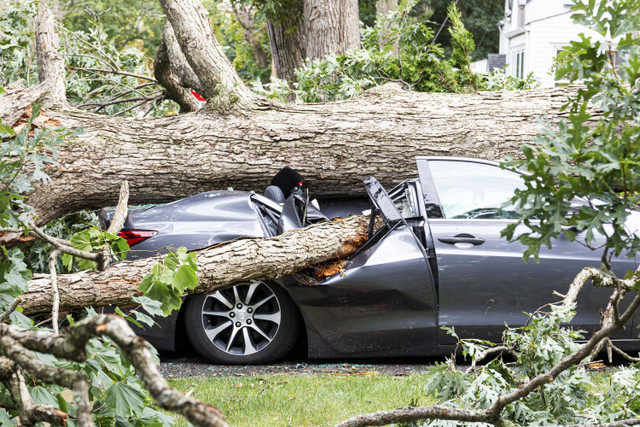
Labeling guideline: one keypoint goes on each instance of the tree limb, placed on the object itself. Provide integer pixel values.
(219, 266)
(222, 85)
(50, 63)
(163, 71)
(18, 343)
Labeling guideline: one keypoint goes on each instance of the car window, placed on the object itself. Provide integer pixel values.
(470, 190)
(405, 200)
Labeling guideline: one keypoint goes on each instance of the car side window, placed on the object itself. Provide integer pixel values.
(469, 190)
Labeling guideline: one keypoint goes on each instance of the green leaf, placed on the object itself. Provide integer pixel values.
(185, 278)
(125, 400)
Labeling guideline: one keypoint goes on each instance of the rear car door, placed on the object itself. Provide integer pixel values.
(483, 282)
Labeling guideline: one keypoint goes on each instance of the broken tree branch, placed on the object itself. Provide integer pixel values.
(55, 294)
(120, 214)
(493, 415)
(50, 63)
(219, 266)
(221, 83)
(18, 343)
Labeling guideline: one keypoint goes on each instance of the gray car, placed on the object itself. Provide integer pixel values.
(438, 260)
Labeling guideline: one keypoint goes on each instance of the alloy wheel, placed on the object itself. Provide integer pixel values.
(242, 320)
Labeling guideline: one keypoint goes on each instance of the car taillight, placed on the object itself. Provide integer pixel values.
(133, 237)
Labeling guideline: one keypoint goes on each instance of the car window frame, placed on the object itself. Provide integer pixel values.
(433, 206)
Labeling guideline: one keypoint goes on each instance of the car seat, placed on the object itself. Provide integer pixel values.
(274, 193)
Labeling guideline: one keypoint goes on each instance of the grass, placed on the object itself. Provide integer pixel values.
(303, 400)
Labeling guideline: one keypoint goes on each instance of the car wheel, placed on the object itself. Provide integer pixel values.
(246, 324)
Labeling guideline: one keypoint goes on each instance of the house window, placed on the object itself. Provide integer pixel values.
(519, 64)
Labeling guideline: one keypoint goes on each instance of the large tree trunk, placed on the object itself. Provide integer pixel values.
(219, 266)
(331, 27)
(335, 146)
(287, 46)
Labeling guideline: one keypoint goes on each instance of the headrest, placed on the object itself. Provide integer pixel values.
(287, 179)
(274, 193)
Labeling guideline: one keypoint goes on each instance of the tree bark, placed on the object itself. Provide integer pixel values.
(190, 22)
(219, 266)
(331, 27)
(335, 145)
(287, 46)
(178, 62)
(50, 63)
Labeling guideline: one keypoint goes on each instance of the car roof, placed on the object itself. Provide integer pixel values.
(459, 159)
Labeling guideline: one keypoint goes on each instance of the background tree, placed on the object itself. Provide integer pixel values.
(480, 17)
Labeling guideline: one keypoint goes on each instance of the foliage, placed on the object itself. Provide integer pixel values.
(584, 176)
(16, 43)
(572, 398)
(127, 23)
(480, 17)
(37, 252)
(417, 63)
(228, 32)
(94, 240)
(169, 280)
(499, 80)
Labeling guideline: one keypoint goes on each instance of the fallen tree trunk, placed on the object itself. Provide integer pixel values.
(219, 266)
(335, 146)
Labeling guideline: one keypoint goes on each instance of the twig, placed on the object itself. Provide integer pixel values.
(120, 215)
(139, 104)
(55, 295)
(4, 316)
(122, 73)
(490, 351)
(624, 353)
(63, 248)
(121, 101)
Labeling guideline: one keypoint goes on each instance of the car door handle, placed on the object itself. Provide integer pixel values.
(462, 238)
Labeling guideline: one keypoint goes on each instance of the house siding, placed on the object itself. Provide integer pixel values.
(547, 28)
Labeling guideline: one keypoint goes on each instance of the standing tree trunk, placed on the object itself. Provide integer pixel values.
(287, 46)
(331, 27)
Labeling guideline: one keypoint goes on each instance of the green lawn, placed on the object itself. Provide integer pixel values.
(303, 400)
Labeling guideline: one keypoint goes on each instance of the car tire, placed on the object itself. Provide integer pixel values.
(247, 324)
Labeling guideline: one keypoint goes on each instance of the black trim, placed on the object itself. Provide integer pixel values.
(429, 193)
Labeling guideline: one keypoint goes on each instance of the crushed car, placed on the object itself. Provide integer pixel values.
(437, 259)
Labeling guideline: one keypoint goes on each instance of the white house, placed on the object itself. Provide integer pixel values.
(533, 32)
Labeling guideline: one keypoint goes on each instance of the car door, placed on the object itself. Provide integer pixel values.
(483, 282)
(383, 303)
